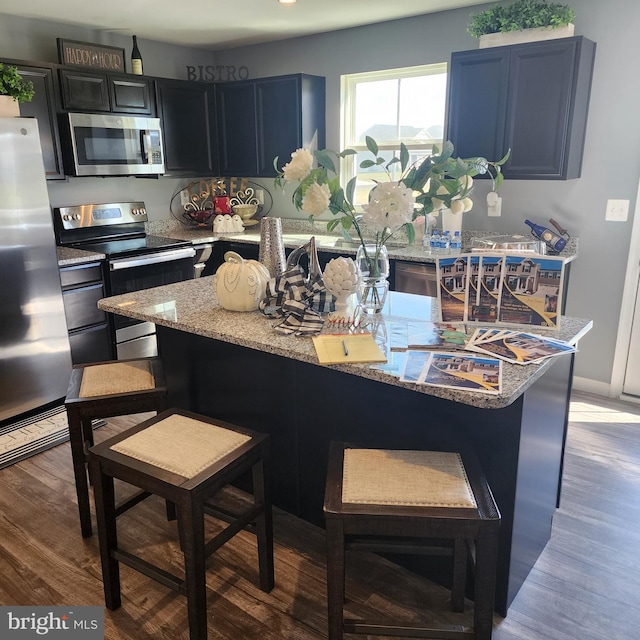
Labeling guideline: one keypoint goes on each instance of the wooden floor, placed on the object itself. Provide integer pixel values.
(585, 586)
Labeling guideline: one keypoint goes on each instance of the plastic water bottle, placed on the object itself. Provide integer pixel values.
(435, 242)
(456, 242)
(445, 243)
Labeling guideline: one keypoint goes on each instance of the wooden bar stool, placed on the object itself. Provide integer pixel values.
(185, 459)
(104, 390)
(399, 501)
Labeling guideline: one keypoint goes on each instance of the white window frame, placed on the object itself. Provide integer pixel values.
(348, 84)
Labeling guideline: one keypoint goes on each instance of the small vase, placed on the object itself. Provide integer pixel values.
(372, 294)
(373, 261)
(373, 267)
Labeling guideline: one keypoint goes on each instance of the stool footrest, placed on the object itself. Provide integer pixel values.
(132, 501)
(443, 632)
(238, 525)
(150, 570)
(385, 546)
(224, 515)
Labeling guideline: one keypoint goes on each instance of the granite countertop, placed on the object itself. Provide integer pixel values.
(68, 256)
(191, 306)
(298, 232)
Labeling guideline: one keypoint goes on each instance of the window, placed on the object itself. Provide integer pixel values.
(392, 106)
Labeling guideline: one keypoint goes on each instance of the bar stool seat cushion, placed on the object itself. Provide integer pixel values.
(115, 378)
(406, 478)
(181, 445)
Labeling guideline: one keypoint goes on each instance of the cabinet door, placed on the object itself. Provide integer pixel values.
(539, 109)
(530, 98)
(43, 108)
(187, 111)
(477, 103)
(236, 117)
(131, 94)
(279, 122)
(84, 91)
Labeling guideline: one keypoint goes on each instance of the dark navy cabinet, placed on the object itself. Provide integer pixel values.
(43, 107)
(188, 118)
(268, 117)
(108, 93)
(531, 98)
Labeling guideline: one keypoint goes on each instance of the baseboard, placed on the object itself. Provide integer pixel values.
(591, 386)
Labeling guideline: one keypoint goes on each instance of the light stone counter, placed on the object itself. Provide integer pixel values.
(69, 256)
(192, 307)
(298, 232)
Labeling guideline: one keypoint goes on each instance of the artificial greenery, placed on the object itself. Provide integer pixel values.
(13, 85)
(521, 14)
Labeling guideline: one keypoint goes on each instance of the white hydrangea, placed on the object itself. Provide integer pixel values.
(299, 167)
(468, 204)
(390, 205)
(457, 206)
(316, 199)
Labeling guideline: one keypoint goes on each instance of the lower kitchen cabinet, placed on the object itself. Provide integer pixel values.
(88, 326)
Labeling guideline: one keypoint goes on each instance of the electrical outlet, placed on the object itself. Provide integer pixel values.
(617, 210)
(259, 196)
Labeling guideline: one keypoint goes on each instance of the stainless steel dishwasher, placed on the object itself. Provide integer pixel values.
(416, 277)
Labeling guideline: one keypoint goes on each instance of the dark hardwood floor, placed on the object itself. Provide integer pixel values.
(585, 585)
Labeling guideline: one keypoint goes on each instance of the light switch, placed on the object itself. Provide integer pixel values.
(617, 210)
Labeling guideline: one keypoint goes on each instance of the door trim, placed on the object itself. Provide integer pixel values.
(632, 281)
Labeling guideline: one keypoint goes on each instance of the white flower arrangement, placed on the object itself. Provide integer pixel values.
(438, 181)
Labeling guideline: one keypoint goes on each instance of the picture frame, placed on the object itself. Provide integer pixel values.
(88, 55)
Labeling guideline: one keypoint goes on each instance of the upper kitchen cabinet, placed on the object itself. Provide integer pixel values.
(101, 92)
(43, 108)
(268, 117)
(188, 118)
(531, 98)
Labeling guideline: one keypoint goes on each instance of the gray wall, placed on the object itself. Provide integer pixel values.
(23, 39)
(611, 167)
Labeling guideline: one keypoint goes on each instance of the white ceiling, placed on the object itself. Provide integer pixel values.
(220, 24)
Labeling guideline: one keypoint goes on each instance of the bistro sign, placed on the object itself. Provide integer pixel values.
(90, 56)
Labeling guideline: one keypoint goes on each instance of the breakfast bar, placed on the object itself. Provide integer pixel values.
(235, 367)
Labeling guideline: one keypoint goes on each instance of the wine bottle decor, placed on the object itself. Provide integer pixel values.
(136, 58)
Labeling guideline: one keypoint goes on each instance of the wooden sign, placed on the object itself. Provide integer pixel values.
(90, 56)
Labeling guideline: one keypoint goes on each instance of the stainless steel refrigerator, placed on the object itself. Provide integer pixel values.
(35, 361)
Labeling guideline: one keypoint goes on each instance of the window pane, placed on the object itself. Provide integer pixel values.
(376, 110)
(422, 104)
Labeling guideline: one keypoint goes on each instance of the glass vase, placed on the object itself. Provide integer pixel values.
(372, 293)
(372, 261)
(373, 268)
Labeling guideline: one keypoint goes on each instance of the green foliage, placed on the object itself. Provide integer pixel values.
(12, 84)
(521, 14)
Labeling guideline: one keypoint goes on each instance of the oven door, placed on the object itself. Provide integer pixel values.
(134, 338)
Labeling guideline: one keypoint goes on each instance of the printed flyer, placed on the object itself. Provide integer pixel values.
(452, 287)
(531, 290)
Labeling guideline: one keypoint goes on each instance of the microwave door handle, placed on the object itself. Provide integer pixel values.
(145, 145)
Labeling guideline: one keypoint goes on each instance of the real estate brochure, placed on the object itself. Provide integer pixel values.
(454, 371)
(452, 287)
(517, 346)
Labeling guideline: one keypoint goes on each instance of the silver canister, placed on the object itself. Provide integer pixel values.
(271, 253)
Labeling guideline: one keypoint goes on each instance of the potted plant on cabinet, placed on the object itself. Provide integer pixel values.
(522, 21)
(13, 90)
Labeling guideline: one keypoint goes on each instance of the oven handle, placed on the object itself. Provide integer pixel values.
(151, 258)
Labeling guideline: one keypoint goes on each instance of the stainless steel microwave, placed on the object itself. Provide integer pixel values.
(113, 145)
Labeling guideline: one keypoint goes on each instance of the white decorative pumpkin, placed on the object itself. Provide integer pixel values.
(240, 283)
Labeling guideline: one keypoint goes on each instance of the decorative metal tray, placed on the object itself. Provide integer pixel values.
(509, 244)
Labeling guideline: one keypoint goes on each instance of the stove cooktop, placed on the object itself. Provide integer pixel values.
(131, 246)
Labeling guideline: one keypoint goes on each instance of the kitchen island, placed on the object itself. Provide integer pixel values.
(235, 367)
